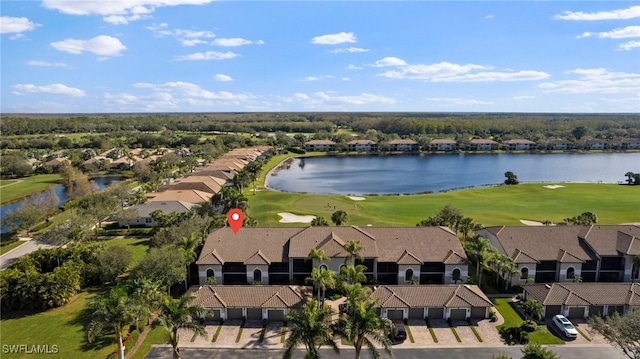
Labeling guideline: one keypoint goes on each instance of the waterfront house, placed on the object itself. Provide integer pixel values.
(482, 145)
(558, 144)
(362, 146)
(518, 144)
(320, 145)
(443, 145)
(404, 145)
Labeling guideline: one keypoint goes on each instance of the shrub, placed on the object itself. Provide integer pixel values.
(514, 335)
(529, 326)
(492, 315)
(535, 351)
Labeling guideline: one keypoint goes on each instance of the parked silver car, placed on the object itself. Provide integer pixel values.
(565, 326)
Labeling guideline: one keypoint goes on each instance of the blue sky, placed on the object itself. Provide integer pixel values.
(423, 56)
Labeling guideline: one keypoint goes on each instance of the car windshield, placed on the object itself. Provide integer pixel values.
(568, 325)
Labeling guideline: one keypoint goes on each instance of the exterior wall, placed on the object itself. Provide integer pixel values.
(563, 271)
(333, 264)
(448, 273)
(532, 273)
(405, 312)
(263, 268)
(628, 266)
(202, 273)
(402, 270)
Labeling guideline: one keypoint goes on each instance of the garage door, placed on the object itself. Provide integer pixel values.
(596, 311)
(394, 314)
(552, 310)
(435, 313)
(234, 313)
(416, 313)
(576, 312)
(478, 312)
(458, 314)
(214, 314)
(254, 313)
(276, 315)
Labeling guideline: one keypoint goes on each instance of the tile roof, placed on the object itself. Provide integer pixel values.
(483, 142)
(145, 209)
(408, 258)
(428, 244)
(406, 141)
(361, 142)
(582, 294)
(419, 296)
(191, 196)
(443, 141)
(251, 296)
(258, 258)
(331, 240)
(320, 142)
(613, 240)
(516, 141)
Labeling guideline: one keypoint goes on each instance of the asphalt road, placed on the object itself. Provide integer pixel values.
(565, 352)
(31, 246)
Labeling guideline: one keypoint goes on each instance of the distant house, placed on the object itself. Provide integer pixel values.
(198, 183)
(362, 146)
(320, 145)
(518, 144)
(144, 211)
(443, 145)
(595, 144)
(58, 162)
(191, 196)
(557, 144)
(560, 253)
(404, 145)
(581, 300)
(444, 301)
(630, 144)
(483, 145)
(250, 302)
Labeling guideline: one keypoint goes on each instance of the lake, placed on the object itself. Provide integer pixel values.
(399, 174)
(100, 183)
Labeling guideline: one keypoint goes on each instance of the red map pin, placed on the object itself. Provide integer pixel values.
(235, 217)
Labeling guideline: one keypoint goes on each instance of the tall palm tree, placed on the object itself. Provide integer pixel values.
(478, 249)
(179, 314)
(112, 310)
(508, 269)
(363, 327)
(317, 255)
(254, 170)
(187, 246)
(353, 248)
(147, 296)
(352, 274)
(312, 328)
(322, 279)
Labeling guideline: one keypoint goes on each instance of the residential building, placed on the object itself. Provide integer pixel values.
(630, 144)
(581, 300)
(190, 195)
(443, 145)
(563, 253)
(362, 146)
(200, 183)
(404, 145)
(557, 144)
(518, 144)
(144, 211)
(482, 145)
(433, 255)
(594, 144)
(446, 301)
(320, 145)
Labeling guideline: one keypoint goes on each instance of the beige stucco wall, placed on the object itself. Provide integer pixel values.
(448, 273)
(262, 267)
(202, 273)
(563, 271)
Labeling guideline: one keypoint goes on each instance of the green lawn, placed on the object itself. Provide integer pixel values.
(155, 336)
(64, 327)
(8, 247)
(27, 186)
(137, 246)
(7, 182)
(513, 319)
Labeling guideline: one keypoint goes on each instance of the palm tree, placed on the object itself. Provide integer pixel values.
(352, 274)
(322, 279)
(319, 221)
(310, 327)
(478, 249)
(187, 246)
(508, 269)
(112, 310)
(229, 198)
(147, 296)
(362, 326)
(629, 177)
(179, 314)
(339, 217)
(354, 248)
(254, 169)
(317, 255)
(241, 179)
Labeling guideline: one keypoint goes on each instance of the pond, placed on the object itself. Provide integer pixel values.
(400, 174)
(100, 183)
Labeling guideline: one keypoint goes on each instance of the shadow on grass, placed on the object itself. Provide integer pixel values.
(82, 319)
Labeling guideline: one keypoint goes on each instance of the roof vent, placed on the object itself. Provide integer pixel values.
(547, 286)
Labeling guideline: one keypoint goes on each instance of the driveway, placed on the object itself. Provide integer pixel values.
(420, 333)
(228, 333)
(443, 332)
(251, 334)
(594, 338)
(24, 249)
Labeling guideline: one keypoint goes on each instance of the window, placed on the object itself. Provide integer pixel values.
(635, 271)
(148, 220)
(408, 274)
(455, 275)
(210, 273)
(570, 272)
(257, 275)
(323, 267)
(524, 273)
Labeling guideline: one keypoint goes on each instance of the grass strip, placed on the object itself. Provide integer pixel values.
(583, 334)
(475, 332)
(455, 332)
(408, 328)
(433, 334)
(263, 332)
(240, 331)
(284, 333)
(6, 248)
(217, 333)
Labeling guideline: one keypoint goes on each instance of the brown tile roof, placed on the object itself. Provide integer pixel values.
(613, 240)
(443, 141)
(543, 243)
(418, 296)
(251, 296)
(361, 142)
(583, 294)
(406, 141)
(320, 142)
(258, 258)
(408, 258)
(191, 196)
(331, 240)
(483, 142)
(521, 257)
(516, 141)
(428, 244)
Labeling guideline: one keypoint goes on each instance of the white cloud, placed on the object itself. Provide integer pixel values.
(116, 11)
(45, 63)
(389, 61)
(629, 45)
(448, 72)
(157, 101)
(185, 37)
(100, 45)
(458, 101)
(334, 39)
(235, 41)
(349, 50)
(489, 16)
(620, 14)
(354, 67)
(317, 78)
(16, 25)
(345, 79)
(524, 97)
(328, 100)
(620, 33)
(222, 78)
(191, 93)
(208, 55)
(598, 80)
(55, 89)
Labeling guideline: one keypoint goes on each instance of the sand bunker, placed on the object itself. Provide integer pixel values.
(533, 223)
(294, 218)
(553, 186)
(355, 198)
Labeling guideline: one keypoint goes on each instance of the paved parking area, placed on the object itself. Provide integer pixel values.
(251, 334)
(443, 332)
(273, 334)
(465, 333)
(420, 334)
(228, 333)
(596, 338)
(489, 333)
